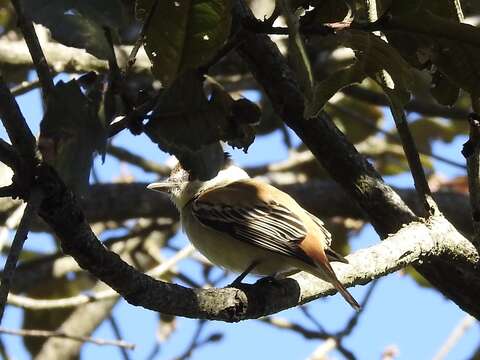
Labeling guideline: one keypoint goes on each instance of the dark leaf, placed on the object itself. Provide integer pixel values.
(79, 23)
(187, 124)
(184, 34)
(443, 90)
(70, 133)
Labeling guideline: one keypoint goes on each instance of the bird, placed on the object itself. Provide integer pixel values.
(248, 226)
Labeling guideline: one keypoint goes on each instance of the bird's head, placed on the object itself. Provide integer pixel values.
(182, 188)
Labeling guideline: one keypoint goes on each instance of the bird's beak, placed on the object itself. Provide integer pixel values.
(163, 186)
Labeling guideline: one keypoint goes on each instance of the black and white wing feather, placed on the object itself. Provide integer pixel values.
(267, 225)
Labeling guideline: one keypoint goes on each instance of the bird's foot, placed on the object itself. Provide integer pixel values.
(238, 281)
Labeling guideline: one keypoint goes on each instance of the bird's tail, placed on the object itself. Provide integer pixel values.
(325, 272)
(346, 295)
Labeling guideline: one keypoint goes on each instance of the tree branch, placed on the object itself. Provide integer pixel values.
(35, 50)
(146, 165)
(17, 128)
(64, 58)
(17, 245)
(64, 335)
(74, 301)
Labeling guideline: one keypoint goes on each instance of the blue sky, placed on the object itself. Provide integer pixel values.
(417, 320)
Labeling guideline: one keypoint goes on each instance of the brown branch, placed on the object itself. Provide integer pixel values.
(82, 322)
(118, 334)
(35, 49)
(132, 58)
(24, 87)
(454, 337)
(413, 158)
(63, 335)
(123, 154)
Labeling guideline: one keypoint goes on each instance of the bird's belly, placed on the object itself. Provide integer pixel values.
(232, 254)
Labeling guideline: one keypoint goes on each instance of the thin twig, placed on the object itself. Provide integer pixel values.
(282, 323)
(408, 143)
(233, 43)
(61, 334)
(453, 338)
(118, 335)
(138, 112)
(195, 342)
(35, 49)
(24, 87)
(354, 319)
(3, 351)
(33, 204)
(133, 54)
(74, 301)
(147, 165)
(304, 309)
(11, 223)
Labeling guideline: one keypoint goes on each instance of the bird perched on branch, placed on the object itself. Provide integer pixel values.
(246, 225)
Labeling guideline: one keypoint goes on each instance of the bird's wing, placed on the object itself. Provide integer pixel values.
(238, 210)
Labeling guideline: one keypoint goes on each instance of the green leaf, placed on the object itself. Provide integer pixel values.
(358, 120)
(79, 24)
(374, 56)
(296, 51)
(426, 130)
(328, 87)
(325, 11)
(184, 34)
(185, 123)
(440, 39)
(443, 90)
(389, 163)
(419, 279)
(70, 133)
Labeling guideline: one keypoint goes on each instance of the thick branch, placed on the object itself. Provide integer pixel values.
(17, 129)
